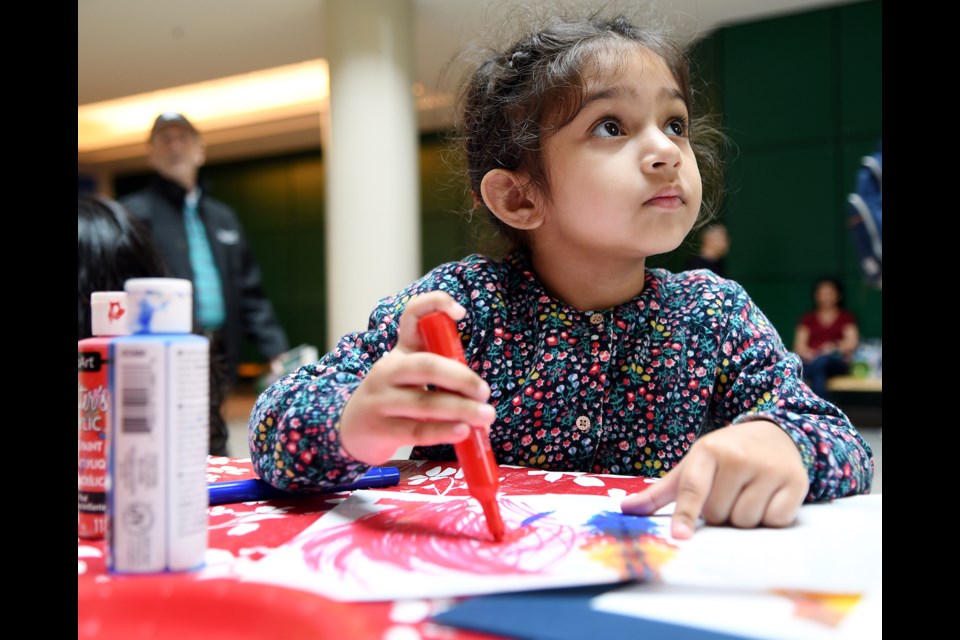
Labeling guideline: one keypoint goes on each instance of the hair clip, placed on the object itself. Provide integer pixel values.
(476, 200)
(518, 56)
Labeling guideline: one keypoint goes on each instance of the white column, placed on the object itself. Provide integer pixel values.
(370, 158)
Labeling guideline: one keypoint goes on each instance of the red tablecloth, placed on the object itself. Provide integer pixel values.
(214, 603)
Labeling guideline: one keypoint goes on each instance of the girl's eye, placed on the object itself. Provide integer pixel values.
(608, 128)
(677, 127)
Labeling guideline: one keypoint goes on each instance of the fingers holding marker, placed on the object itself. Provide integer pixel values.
(424, 369)
(419, 306)
(440, 405)
(411, 396)
(406, 431)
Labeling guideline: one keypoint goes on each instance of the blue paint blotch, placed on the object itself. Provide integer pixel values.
(531, 519)
(617, 524)
(148, 308)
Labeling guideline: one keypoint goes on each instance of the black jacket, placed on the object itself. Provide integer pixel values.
(248, 310)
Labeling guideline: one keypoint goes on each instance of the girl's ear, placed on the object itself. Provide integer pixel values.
(505, 194)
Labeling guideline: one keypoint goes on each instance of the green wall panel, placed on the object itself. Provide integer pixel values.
(280, 203)
(866, 303)
(802, 98)
(784, 218)
(861, 68)
(778, 78)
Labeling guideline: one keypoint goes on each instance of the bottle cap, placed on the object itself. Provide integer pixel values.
(108, 313)
(160, 305)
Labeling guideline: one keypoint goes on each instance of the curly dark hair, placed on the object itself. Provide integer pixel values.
(519, 96)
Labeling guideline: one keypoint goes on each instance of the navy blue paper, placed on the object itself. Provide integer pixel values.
(561, 614)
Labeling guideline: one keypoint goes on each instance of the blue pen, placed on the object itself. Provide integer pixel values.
(256, 489)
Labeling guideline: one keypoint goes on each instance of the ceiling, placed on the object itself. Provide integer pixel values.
(127, 47)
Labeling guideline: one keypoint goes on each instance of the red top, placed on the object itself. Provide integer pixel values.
(821, 334)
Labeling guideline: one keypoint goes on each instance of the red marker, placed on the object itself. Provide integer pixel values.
(474, 454)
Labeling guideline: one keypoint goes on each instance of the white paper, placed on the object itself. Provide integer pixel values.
(381, 545)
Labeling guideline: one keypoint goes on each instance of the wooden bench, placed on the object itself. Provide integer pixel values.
(854, 384)
(251, 370)
(860, 398)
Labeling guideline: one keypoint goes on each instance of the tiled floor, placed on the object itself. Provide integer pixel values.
(237, 411)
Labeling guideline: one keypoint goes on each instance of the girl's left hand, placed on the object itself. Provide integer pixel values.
(746, 474)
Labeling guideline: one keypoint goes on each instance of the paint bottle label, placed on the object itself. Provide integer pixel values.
(108, 317)
(156, 483)
(158, 457)
(93, 417)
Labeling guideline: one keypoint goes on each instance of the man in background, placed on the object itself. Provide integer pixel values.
(202, 240)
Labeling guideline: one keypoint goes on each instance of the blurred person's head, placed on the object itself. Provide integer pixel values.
(112, 246)
(175, 149)
(827, 293)
(714, 241)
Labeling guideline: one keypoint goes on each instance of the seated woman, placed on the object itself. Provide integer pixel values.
(826, 336)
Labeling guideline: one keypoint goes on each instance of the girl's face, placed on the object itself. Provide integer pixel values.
(624, 182)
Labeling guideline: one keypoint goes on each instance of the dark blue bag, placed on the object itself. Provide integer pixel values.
(865, 215)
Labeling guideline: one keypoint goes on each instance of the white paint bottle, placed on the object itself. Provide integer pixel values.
(156, 484)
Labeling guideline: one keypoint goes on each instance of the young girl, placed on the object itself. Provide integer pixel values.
(578, 141)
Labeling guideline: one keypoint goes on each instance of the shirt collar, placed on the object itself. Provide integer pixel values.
(644, 302)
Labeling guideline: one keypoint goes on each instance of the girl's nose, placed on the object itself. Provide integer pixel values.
(661, 153)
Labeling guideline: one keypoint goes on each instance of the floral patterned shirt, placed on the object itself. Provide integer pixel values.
(624, 390)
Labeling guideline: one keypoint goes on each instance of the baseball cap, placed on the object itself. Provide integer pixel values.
(168, 118)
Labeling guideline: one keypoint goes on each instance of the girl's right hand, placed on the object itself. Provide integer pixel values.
(393, 407)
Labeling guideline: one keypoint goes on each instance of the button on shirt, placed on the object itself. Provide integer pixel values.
(691, 353)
